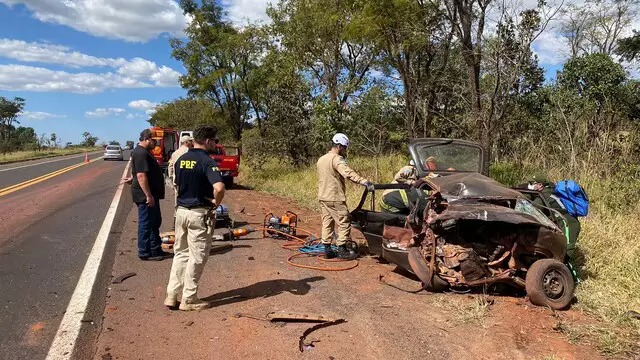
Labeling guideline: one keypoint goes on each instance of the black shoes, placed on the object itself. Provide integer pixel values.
(343, 253)
(328, 252)
(163, 255)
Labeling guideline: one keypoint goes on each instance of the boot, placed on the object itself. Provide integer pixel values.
(191, 305)
(171, 301)
(345, 253)
(328, 252)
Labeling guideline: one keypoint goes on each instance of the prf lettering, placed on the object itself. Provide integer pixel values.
(187, 164)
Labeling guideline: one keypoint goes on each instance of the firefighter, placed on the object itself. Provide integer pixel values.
(398, 201)
(406, 175)
(200, 192)
(186, 142)
(332, 172)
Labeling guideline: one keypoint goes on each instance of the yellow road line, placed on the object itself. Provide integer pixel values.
(13, 188)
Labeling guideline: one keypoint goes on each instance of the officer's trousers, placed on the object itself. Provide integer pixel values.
(194, 233)
(335, 213)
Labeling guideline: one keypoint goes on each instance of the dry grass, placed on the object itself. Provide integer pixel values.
(32, 155)
(608, 247)
(301, 185)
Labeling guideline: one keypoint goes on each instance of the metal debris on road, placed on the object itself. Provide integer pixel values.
(287, 316)
(123, 277)
(302, 345)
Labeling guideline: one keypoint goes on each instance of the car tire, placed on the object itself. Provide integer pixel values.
(228, 182)
(550, 283)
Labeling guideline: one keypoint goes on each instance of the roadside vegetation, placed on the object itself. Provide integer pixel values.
(20, 143)
(33, 155)
(387, 71)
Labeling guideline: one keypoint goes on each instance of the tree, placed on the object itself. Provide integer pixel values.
(53, 140)
(188, 113)
(114, 142)
(629, 47)
(218, 59)
(89, 140)
(286, 103)
(320, 36)
(378, 126)
(596, 25)
(9, 112)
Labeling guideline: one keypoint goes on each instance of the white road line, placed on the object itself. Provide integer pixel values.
(69, 330)
(41, 163)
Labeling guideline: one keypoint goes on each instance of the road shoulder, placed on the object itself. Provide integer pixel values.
(253, 278)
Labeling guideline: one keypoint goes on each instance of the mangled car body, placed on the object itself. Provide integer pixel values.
(469, 230)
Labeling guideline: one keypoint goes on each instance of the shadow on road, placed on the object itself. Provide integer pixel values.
(263, 289)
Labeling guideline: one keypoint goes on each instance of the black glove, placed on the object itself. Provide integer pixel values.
(369, 186)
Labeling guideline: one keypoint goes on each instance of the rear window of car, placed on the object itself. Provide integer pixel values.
(113, 147)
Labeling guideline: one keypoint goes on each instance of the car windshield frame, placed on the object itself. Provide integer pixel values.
(452, 156)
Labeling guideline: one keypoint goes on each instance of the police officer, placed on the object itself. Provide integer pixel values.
(332, 172)
(200, 192)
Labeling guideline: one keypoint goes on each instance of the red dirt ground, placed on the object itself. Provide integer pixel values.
(254, 278)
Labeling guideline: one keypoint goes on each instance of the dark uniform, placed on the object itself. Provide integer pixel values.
(195, 173)
(149, 218)
(401, 201)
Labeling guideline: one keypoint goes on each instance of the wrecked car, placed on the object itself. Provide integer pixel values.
(468, 231)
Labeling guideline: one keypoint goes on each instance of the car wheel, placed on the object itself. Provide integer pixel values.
(549, 283)
(228, 182)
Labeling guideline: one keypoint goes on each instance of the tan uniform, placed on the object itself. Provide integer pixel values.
(172, 172)
(332, 172)
(194, 233)
(406, 175)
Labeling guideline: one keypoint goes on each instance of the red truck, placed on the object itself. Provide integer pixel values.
(228, 159)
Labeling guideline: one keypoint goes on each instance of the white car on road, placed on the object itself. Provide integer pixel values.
(113, 152)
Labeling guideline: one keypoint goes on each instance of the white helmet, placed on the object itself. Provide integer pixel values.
(341, 139)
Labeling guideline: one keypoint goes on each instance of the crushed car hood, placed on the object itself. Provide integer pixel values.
(471, 186)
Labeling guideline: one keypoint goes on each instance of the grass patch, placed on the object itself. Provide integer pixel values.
(301, 184)
(608, 251)
(33, 155)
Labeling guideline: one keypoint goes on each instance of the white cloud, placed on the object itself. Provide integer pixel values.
(242, 11)
(28, 78)
(132, 116)
(146, 105)
(130, 20)
(51, 54)
(135, 70)
(40, 115)
(104, 112)
(551, 48)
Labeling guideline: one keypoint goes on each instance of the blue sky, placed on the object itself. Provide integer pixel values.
(78, 78)
(101, 66)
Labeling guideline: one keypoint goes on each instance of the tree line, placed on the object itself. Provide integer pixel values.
(24, 138)
(385, 71)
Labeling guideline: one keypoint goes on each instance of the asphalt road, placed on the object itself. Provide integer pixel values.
(46, 233)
